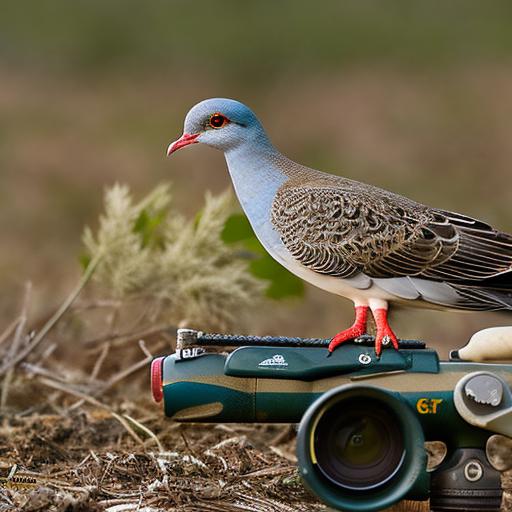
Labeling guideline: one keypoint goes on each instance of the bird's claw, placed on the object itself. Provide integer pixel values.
(348, 334)
(384, 339)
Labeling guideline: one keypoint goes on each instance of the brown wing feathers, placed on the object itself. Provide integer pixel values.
(342, 232)
(483, 256)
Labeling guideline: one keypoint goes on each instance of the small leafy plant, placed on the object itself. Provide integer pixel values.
(183, 269)
(281, 283)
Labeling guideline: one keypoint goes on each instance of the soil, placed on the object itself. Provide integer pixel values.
(88, 461)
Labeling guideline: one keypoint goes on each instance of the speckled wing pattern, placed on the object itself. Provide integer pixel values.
(341, 228)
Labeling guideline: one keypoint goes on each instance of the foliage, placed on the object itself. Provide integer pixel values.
(281, 282)
(181, 267)
(114, 36)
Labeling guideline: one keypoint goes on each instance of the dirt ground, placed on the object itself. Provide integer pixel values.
(88, 461)
(80, 432)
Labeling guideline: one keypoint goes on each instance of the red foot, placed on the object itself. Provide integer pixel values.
(357, 329)
(384, 333)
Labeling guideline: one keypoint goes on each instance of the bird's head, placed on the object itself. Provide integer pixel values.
(221, 123)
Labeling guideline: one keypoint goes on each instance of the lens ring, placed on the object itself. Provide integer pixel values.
(358, 444)
(412, 471)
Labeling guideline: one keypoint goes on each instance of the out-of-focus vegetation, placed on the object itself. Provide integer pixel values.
(174, 269)
(411, 96)
(281, 283)
(250, 41)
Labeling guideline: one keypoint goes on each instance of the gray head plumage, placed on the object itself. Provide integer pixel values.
(222, 123)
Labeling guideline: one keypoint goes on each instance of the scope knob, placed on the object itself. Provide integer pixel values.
(485, 389)
(484, 400)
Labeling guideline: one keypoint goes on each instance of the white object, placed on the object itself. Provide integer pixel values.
(493, 344)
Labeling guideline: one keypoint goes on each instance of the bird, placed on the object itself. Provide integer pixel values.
(352, 239)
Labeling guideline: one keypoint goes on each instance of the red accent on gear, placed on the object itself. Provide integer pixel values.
(156, 379)
(358, 328)
(383, 330)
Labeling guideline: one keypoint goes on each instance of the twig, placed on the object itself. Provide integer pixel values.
(99, 362)
(129, 336)
(47, 352)
(94, 374)
(120, 376)
(117, 501)
(71, 391)
(44, 372)
(124, 373)
(9, 329)
(15, 344)
(128, 428)
(97, 304)
(55, 317)
(288, 456)
(142, 345)
(68, 470)
(146, 430)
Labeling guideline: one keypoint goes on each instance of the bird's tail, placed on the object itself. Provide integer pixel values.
(484, 299)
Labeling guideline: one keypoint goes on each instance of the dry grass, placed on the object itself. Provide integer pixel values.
(88, 461)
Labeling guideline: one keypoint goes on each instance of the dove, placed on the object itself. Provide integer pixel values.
(355, 240)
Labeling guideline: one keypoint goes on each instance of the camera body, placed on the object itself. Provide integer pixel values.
(363, 419)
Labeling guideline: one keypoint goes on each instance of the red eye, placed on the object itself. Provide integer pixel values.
(218, 121)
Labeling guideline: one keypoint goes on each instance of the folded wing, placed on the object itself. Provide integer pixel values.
(342, 232)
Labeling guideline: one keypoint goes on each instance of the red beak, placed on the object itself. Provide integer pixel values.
(183, 141)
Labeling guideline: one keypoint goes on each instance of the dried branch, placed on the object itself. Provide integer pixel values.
(15, 344)
(128, 336)
(66, 388)
(22, 354)
(9, 330)
(146, 430)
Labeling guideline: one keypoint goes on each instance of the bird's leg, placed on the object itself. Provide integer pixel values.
(358, 329)
(384, 333)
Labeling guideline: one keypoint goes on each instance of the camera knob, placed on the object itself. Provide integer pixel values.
(485, 389)
(484, 400)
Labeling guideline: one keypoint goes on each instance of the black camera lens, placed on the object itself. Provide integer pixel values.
(358, 444)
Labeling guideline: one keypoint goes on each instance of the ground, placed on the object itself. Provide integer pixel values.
(88, 461)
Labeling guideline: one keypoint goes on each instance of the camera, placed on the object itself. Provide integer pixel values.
(363, 419)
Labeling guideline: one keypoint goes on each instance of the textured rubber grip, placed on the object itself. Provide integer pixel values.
(223, 340)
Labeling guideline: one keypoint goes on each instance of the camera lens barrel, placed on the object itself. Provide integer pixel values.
(360, 448)
(358, 445)
(466, 481)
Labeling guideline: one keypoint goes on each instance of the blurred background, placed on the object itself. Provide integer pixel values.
(415, 97)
